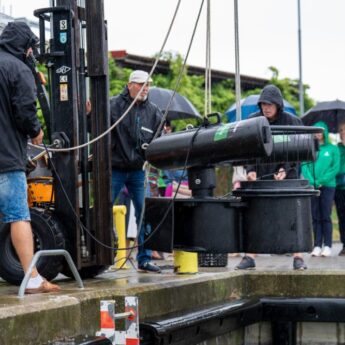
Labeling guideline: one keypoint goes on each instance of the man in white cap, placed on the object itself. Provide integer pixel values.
(128, 141)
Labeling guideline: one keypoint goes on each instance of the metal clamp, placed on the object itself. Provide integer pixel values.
(52, 252)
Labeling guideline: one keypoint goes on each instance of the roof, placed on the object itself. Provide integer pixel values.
(126, 60)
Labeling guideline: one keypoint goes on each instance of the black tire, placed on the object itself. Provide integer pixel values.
(47, 235)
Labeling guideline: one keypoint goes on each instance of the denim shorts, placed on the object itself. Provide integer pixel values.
(13, 197)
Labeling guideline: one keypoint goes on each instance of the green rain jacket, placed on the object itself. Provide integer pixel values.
(323, 171)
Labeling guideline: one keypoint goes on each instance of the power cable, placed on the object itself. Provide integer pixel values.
(156, 134)
(159, 129)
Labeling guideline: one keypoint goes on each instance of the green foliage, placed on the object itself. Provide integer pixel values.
(290, 90)
(42, 68)
(118, 77)
(192, 87)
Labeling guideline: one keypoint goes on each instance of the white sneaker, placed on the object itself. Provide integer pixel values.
(316, 251)
(326, 251)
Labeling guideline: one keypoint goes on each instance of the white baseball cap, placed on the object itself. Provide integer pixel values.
(139, 76)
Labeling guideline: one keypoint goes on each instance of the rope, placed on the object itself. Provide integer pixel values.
(181, 72)
(208, 79)
(131, 105)
(147, 166)
(143, 209)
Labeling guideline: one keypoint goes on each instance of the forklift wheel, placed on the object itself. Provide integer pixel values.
(47, 235)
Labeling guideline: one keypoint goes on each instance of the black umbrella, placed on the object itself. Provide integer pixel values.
(332, 113)
(180, 107)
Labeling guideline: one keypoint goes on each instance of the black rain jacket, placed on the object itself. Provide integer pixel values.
(18, 119)
(271, 94)
(137, 128)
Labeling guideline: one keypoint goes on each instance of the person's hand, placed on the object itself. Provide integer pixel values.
(88, 107)
(251, 176)
(38, 139)
(281, 175)
(236, 185)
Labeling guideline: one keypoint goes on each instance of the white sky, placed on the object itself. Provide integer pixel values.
(268, 35)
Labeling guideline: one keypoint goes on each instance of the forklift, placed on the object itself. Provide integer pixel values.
(69, 191)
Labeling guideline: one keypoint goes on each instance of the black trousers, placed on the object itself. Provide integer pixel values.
(339, 199)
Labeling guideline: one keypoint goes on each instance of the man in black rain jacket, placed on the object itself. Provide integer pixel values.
(18, 122)
(128, 141)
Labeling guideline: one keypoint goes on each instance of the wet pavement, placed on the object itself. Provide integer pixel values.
(130, 276)
(76, 311)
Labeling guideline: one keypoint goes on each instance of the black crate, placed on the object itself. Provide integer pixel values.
(212, 260)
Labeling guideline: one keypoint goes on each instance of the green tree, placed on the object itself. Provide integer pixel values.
(290, 90)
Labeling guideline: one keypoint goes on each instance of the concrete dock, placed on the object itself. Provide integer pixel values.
(37, 319)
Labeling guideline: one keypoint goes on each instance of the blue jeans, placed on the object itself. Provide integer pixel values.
(321, 209)
(134, 181)
(13, 197)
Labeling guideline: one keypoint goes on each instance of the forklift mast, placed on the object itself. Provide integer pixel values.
(76, 54)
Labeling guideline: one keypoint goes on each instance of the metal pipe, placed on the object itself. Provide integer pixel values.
(124, 315)
(301, 90)
(237, 66)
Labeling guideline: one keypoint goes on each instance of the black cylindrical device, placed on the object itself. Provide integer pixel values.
(212, 144)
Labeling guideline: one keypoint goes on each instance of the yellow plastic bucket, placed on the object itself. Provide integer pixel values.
(185, 262)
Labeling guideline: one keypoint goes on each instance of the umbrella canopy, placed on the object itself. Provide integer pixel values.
(249, 105)
(332, 113)
(180, 106)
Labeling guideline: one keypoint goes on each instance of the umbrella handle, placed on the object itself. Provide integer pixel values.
(217, 115)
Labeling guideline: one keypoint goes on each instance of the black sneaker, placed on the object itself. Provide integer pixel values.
(298, 264)
(148, 267)
(247, 263)
(342, 252)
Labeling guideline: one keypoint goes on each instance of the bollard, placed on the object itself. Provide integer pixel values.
(185, 262)
(119, 213)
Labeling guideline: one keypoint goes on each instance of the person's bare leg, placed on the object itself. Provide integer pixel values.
(22, 240)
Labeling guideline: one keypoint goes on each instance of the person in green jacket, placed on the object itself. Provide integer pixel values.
(322, 175)
(340, 188)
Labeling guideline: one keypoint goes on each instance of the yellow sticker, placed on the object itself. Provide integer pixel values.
(63, 92)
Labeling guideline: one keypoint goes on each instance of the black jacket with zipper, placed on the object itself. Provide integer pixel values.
(18, 119)
(137, 128)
